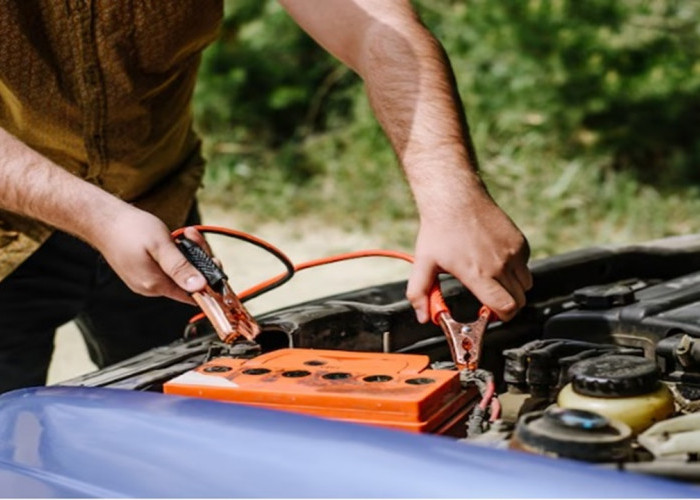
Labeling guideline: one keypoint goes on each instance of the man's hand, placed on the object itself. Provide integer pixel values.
(482, 248)
(139, 248)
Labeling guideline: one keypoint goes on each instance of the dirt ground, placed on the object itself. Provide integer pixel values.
(247, 265)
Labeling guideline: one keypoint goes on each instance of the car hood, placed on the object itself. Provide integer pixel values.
(76, 442)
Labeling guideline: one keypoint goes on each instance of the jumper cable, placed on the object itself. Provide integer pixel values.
(231, 319)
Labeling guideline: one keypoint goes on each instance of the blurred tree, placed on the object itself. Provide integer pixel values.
(627, 76)
(264, 85)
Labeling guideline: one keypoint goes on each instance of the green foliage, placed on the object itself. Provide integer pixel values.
(261, 88)
(629, 72)
(619, 79)
(584, 114)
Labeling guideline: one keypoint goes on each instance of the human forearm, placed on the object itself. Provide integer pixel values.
(409, 82)
(136, 244)
(31, 185)
(411, 87)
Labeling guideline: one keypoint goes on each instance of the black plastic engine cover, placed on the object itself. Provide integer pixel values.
(657, 311)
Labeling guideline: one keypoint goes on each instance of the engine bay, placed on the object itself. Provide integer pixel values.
(602, 365)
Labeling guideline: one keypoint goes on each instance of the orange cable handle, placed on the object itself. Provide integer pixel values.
(437, 305)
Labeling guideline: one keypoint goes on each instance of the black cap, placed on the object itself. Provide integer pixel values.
(614, 376)
(604, 296)
(578, 434)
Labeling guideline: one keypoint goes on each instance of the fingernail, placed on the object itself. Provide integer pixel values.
(194, 283)
(421, 316)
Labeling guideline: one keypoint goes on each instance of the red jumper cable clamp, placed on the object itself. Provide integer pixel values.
(464, 339)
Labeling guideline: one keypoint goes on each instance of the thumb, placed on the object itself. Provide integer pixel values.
(178, 268)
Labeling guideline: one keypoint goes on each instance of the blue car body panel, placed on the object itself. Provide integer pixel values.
(76, 442)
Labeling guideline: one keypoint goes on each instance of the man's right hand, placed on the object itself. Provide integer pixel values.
(139, 248)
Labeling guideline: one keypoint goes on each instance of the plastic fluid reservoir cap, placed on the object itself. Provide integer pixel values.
(614, 376)
(604, 296)
(569, 433)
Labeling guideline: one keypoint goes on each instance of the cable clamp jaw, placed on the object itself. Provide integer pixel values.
(220, 304)
(464, 339)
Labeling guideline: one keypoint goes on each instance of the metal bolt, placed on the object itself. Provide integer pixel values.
(466, 329)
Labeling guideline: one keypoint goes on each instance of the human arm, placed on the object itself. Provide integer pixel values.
(412, 91)
(135, 243)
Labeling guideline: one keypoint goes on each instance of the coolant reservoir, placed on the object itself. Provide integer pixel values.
(624, 388)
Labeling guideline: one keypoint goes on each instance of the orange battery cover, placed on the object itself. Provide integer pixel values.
(388, 390)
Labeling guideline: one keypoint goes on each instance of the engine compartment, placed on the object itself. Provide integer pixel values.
(603, 328)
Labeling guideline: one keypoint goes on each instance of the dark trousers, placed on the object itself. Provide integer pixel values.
(68, 280)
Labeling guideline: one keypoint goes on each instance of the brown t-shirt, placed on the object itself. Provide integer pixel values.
(103, 88)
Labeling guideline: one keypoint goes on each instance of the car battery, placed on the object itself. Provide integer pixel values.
(398, 391)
